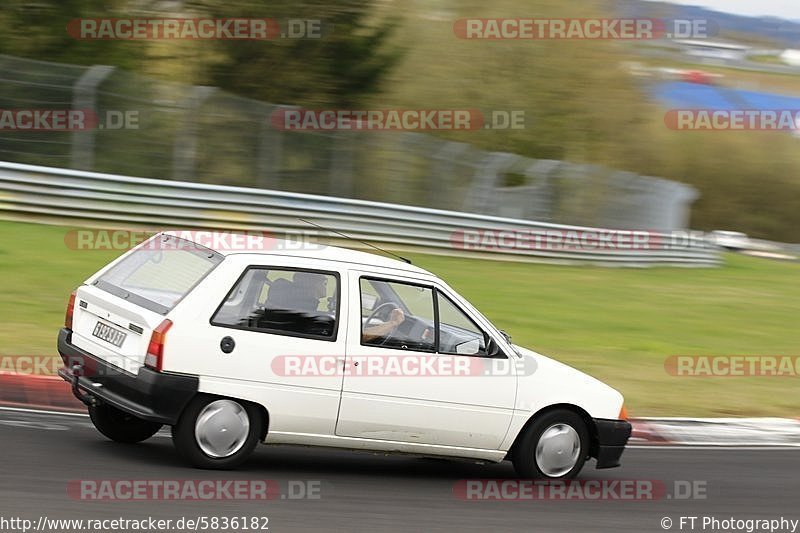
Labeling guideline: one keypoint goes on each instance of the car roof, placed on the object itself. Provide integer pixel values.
(226, 243)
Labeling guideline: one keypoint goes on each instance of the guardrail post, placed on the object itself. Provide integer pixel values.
(544, 172)
(666, 203)
(84, 97)
(480, 198)
(442, 176)
(270, 151)
(340, 180)
(184, 156)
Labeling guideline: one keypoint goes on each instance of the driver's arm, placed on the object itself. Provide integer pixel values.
(380, 330)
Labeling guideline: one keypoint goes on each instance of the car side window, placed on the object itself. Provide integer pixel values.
(397, 315)
(299, 303)
(458, 334)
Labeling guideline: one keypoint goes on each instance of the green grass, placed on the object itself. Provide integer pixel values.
(617, 324)
(772, 60)
(37, 273)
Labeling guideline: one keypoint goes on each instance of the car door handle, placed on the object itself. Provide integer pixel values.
(227, 344)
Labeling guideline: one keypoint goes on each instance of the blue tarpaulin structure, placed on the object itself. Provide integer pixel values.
(685, 95)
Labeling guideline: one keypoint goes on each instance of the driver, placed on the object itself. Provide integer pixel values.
(396, 317)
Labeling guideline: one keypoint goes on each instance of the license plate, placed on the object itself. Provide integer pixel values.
(109, 334)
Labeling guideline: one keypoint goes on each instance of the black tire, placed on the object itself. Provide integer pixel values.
(524, 457)
(120, 426)
(183, 435)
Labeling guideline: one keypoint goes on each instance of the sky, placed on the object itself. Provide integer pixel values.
(788, 9)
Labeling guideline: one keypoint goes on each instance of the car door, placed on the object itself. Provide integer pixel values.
(429, 382)
(272, 323)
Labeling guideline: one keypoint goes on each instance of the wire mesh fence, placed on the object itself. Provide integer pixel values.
(154, 129)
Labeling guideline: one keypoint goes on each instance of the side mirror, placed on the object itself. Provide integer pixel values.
(470, 347)
(493, 349)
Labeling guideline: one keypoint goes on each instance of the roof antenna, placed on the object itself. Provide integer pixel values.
(387, 252)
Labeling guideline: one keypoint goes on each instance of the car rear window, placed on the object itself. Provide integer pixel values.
(160, 272)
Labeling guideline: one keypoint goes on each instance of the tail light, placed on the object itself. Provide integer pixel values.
(155, 350)
(70, 311)
(623, 413)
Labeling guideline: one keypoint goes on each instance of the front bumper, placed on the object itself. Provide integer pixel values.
(612, 436)
(149, 395)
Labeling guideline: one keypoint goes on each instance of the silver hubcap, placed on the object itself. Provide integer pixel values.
(558, 450)
(222, 428)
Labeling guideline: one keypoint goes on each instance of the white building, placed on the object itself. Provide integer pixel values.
(791, 57)
(715, 50)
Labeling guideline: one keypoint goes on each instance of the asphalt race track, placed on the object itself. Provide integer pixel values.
(362, 491)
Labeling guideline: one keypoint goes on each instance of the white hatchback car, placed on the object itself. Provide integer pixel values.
(320, 346)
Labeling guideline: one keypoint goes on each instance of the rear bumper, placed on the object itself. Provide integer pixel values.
(612, 436)
(149, 395)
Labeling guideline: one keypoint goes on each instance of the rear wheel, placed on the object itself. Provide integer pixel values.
(555, 446)
(120, 426)
(217, 433)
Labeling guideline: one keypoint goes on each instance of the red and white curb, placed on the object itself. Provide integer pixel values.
(38, 392)
(716, 431)
(53, 394)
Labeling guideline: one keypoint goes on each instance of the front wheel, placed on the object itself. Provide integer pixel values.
(555, 446)
(217, 433)
(120, 426)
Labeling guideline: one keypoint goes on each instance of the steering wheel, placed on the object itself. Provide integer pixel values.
(375, 313)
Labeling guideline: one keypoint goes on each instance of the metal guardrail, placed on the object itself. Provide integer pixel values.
(772, 250)
(93, 199)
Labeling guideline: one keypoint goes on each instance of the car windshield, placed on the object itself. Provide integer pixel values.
(158, 277)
